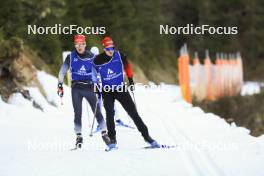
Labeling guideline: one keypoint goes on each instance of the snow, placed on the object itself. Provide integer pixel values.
(49, 84)
(38, 143)
(251, 88)
(18, 99)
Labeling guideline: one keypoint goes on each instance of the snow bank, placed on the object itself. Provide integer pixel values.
(49, 84)
(18, 99)
(250, 88)
(39, 98)
(1, 101)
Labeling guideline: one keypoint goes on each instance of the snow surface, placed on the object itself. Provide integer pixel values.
(251, 88)
(38, 143)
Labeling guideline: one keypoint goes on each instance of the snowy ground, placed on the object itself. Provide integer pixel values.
(250, 88)
(37, 143)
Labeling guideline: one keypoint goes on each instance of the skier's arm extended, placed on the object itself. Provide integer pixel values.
(64, 68)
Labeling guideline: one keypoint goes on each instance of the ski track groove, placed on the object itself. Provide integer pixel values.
(211, 166)
(208, 159)
(205, 157)
(192, 167)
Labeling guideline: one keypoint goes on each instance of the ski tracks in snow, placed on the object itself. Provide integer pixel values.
(197, 162)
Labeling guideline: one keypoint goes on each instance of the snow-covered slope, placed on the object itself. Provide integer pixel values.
(38, 143)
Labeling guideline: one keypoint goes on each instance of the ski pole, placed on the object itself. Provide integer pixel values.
(61, 100)
(91, 133)
(87, 109)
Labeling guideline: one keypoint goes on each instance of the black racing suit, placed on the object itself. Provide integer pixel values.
(125, 100)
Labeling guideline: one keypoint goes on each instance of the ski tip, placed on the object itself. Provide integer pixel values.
(168, 146)
(161, 147)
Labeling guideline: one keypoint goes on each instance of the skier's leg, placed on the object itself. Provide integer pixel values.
(126, 101)
(92, 99)
(110, 112)
(90, 96)
(77, 107)
(116, 117)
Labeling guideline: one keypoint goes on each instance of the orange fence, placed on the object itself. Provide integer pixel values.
(209, 80)
(184, 74)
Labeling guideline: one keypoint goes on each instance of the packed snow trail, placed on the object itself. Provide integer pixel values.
(39, 143)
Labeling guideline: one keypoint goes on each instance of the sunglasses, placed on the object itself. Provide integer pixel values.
(79, 45)
(109, 49)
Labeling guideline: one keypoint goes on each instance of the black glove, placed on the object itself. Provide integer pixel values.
(60, 91)
(131, 84)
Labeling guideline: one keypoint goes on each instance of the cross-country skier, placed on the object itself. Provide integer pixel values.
(83, 77)
(95, 51)
(111, 66)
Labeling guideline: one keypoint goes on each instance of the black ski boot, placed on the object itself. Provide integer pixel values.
(148, 139)
(79, 141)
(152, 142)
(112, 145)
(105, 137)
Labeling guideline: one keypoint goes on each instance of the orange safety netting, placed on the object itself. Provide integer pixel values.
(184, 74)
(209, 80)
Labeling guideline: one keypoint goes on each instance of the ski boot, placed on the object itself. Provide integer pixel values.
(105, 137)
(152, 142)
(111, 146)
(79, 141)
